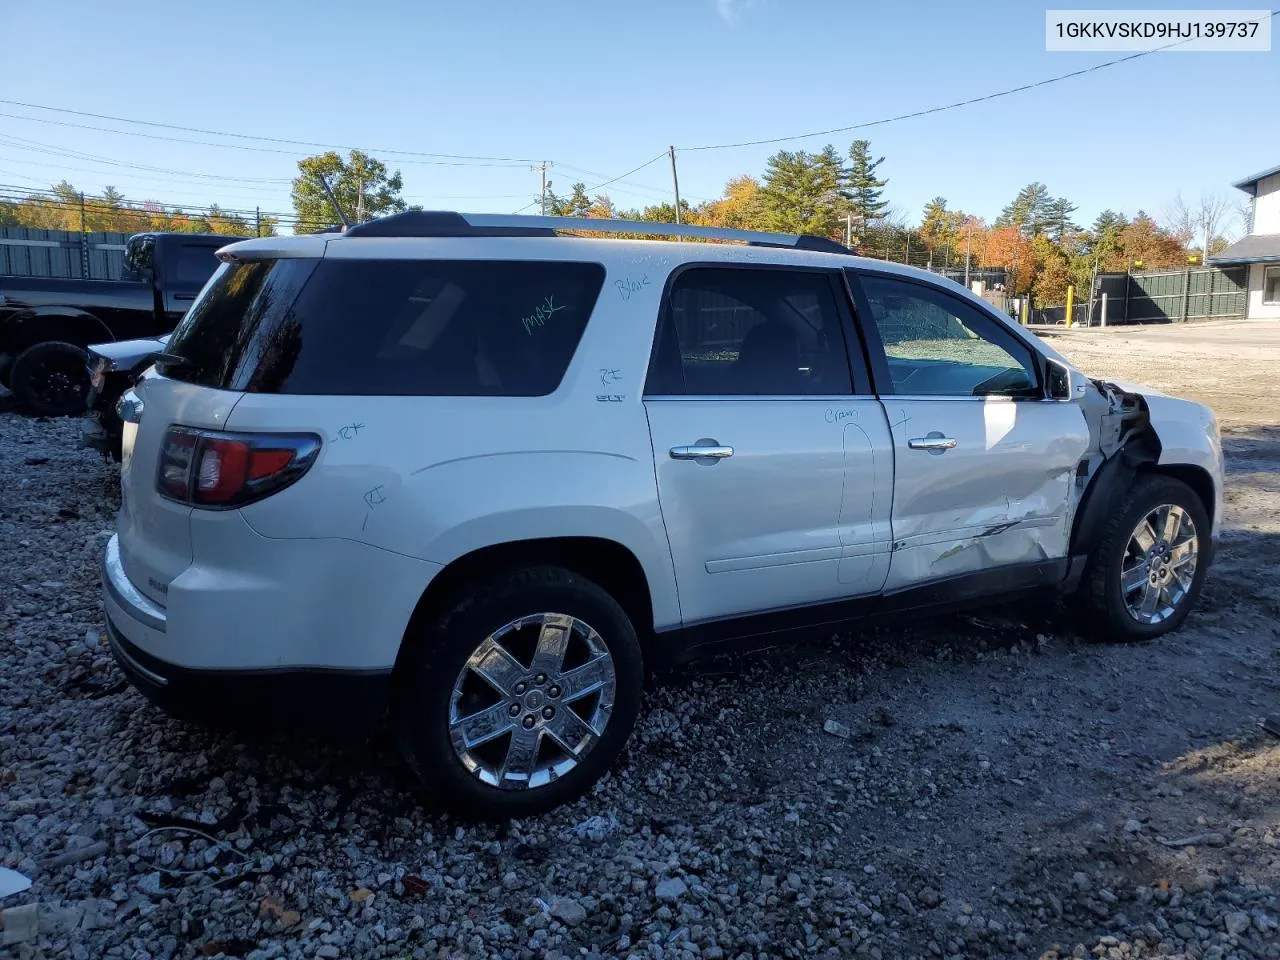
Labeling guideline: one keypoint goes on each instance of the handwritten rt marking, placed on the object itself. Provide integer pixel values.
(374, 497)
(350, 431)
(630, 286)
(545, 311)
(609, 376)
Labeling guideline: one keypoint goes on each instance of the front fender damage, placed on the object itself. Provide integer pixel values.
(1121, 439)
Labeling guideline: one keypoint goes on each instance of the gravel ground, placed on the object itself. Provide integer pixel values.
(994, 785)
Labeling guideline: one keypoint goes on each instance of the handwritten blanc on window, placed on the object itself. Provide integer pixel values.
(544, 312)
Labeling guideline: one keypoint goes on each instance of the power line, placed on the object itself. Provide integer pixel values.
(144, 176)
(35, 146)
(245, 136)
(663, 192)
(947, 106)
(244, 146)
(259, 183)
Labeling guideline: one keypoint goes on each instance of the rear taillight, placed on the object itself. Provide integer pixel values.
(218, 470)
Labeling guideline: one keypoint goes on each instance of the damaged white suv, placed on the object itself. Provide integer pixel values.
(480, 475)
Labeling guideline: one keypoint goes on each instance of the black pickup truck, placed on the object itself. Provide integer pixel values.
(46, 323)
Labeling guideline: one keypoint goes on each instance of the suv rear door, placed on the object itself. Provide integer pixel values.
(984, 464)
(793, 507)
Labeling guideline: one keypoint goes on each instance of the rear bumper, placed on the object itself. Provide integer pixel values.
(339, 700)
(332, 702)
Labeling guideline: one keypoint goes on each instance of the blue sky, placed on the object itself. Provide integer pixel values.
(599, 88)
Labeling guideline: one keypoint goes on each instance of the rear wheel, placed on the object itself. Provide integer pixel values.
(1147, 570)
(51, 378)
(519, 698)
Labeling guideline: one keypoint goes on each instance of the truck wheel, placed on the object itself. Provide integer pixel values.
(1147, 570)
(51, 378)
(521, 696)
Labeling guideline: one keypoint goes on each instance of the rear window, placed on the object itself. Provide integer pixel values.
(191, 263)
(387, 327)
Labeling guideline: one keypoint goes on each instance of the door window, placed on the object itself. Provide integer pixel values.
(750, 332)
(939, 346)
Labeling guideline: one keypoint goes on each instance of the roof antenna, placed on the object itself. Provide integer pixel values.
(337, 207)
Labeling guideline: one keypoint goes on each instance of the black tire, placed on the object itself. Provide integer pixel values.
(434, 659)
(51, 379)
(1106, 615)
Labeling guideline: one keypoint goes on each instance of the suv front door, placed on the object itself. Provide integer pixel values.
(773, 459)
(984, 464)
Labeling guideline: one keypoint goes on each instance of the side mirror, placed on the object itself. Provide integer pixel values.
(1061, 382)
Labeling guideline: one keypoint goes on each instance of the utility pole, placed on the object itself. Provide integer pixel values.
(257, 215)
(359, 201)
(84, 241)
(675, 183)
(1205, 261)
(968, 238)
(542, 167)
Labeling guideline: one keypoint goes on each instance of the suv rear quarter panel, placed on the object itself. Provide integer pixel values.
(436, 478)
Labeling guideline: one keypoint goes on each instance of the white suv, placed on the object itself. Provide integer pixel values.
(480, 475)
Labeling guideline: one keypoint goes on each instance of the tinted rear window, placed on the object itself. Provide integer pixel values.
(192, 263)
(388, 327)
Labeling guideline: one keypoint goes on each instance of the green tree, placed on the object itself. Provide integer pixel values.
(1029, 209)
(804, 192)
(1058, 219)
(866, 190)
(1109, 221)
(1105, 246)
(940, 228)
(359, 183)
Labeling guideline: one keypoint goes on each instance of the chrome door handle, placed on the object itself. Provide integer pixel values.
(697, 453)
(931, 443)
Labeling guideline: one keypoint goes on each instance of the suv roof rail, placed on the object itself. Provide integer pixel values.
(442, 223)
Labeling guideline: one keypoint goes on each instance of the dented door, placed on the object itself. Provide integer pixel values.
(983, 466)
(1000, 495)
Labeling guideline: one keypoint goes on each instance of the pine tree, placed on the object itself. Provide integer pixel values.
(577, 204)
(1109, 221)
(865, 188)
(1029, 209)
(940, 227)
(804, 192)
(1058, 216)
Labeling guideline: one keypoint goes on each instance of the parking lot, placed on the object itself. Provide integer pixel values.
(999, 787)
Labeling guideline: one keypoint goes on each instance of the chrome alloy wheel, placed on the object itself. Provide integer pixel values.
(532, 701)
(1159, 564)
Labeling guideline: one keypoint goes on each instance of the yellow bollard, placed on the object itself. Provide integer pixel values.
(1071, 298)
(1023, 319)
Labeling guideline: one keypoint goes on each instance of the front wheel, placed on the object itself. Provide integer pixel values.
(1148, 568)
(51, 378)
(519, 698)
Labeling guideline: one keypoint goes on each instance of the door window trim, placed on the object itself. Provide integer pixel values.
(878, 358)
(861, 383)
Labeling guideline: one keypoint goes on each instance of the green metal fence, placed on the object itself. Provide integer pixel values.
(1172, 296)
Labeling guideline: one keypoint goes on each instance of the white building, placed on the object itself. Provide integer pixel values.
(1260, 248)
